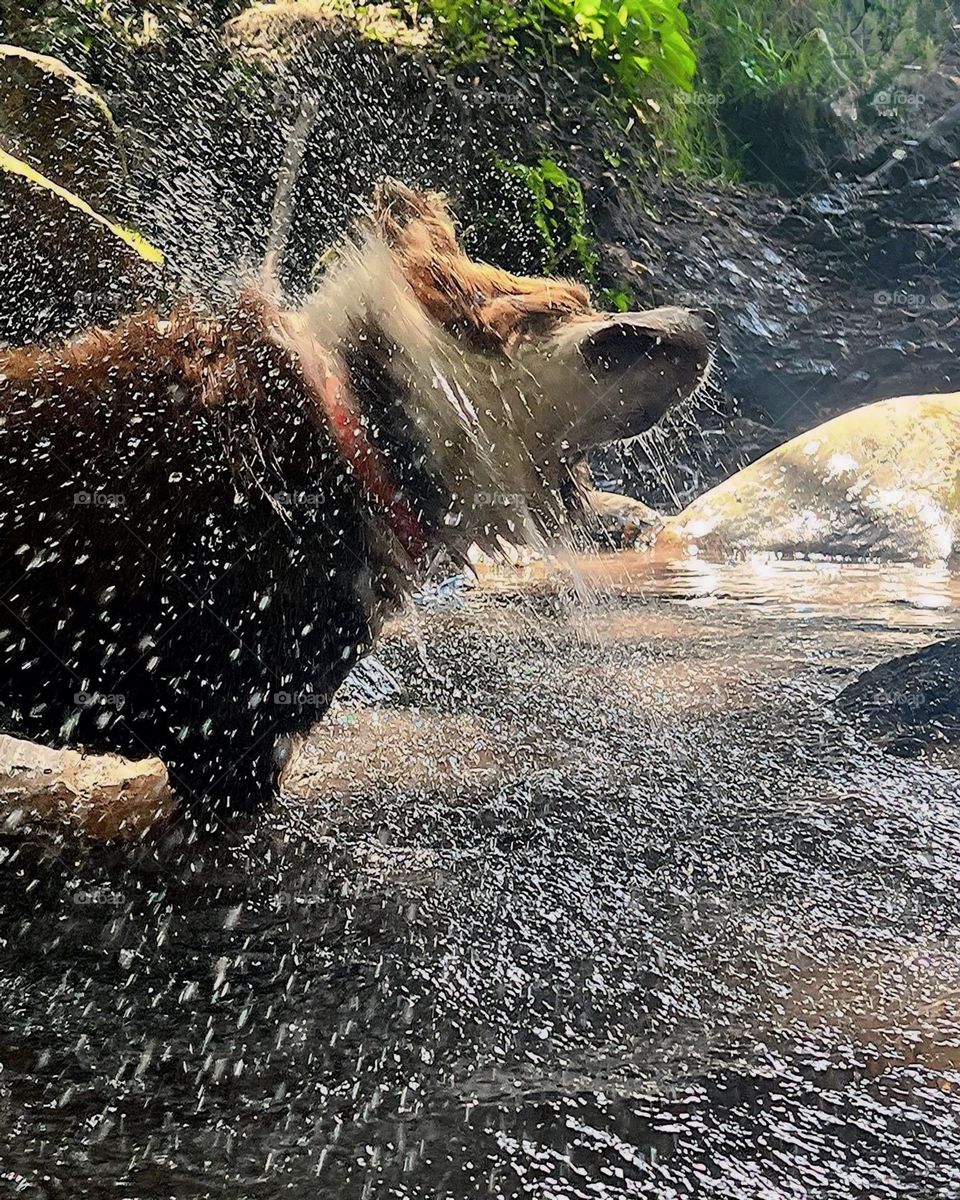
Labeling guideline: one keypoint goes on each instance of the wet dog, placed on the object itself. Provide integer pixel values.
(204, 520)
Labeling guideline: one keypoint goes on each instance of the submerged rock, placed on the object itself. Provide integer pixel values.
(880, 482)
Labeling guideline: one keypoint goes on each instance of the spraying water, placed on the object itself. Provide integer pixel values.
(582, 888)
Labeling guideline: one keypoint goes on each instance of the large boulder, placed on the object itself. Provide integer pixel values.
(880, 482)
(66, 258)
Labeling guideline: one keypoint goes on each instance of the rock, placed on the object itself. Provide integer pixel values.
(880, 482)
(651, 466)
(276, 32)
(620, 521)
(52, 119)
(910, 703)
(102, 796)
(64, 261)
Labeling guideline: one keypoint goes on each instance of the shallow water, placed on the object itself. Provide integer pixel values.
(600, 899)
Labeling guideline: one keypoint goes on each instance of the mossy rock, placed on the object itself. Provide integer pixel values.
(65, 258)
(881, 482)
(277, 32)
(52, 119)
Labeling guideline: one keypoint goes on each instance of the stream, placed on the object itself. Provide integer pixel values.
(587, 892)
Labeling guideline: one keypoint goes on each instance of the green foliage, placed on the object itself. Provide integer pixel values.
(773, 72)
(751, 48)
(754, 47)
(617, 299)
(697, 76)
(709, 87)
(473, 29)
(559, 216)
(631, 40)
(882, 35)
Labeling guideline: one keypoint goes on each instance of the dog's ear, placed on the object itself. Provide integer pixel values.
(511, 318)
(412, 222)
(494, 306)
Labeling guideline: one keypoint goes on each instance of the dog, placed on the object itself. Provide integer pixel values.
(205, 519)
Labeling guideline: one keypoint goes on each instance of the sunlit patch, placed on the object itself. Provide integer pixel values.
(839, 463)
(360, 752)
(65, 792)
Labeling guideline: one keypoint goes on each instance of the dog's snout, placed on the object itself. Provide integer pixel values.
(708, 321)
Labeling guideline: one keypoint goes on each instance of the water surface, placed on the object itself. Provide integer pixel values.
(588, 894)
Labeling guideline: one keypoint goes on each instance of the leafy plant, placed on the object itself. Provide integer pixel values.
(559, 215)
(474, 28)
(630, 40)
(619, 299)
(757, 46)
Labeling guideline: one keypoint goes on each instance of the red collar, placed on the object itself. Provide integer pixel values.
(367, 462)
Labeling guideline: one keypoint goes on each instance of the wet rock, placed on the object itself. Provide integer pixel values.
(912, 702)
(880, 482)
(53, 119)
(64, 259)
(825, 279)
(620, 521)
(940, 144)
(276, 32)
(102, 796)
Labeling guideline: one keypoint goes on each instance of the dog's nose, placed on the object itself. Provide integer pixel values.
(708, 322)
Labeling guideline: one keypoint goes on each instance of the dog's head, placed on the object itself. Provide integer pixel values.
(499, 383)
(591, 377)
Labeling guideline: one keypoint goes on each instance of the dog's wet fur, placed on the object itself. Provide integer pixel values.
(191, 566)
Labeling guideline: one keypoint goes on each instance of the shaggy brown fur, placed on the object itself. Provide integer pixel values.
(190, 563)
(461, 294)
